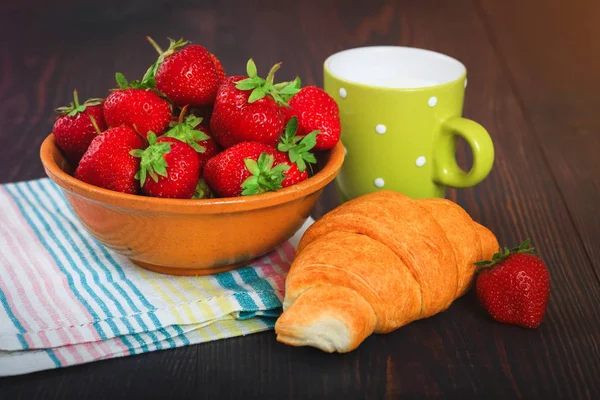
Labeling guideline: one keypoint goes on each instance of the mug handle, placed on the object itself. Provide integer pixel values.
(446, 171)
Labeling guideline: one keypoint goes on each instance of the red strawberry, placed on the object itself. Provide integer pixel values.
(191, 131)
(249, 109)
(220, 71)
(173, 166)
(107, 162)
(244, 169)
(212, 148)
(137, 107)
(295, 152)
(73, 129)
(317, 111)
(188, 76)
(298, 148)
(293, 175)
(514, 287)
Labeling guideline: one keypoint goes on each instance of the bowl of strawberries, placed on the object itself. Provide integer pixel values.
(189, 171)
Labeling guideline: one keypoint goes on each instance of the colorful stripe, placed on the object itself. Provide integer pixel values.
(23, 324)
(13, 318)
(66, 299)
(70, 241)
(51, 188)
(227, 280)
(52, 239)
(37, 266)
(109, 274)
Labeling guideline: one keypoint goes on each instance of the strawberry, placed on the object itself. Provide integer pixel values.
(190, 131)
(220, 71)
(316, 111)
(294, 151)
(73, 129)
(186, 73)
(250, 109)
(212, 148)
(298, 148)
(244, 169)
(293, 175)
(135, 105)
(173, 166)
(107, 162)
(514, 286)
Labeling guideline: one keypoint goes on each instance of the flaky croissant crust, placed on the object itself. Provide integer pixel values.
(377, 263)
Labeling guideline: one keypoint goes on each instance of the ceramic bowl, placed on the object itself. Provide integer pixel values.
(190, 237)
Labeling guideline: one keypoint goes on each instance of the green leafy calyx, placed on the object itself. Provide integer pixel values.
(297, 147)
(501, 255)
(75, 108)
(148, 81)
(149, 77)
(187, 130)
(202, 191)
(260, 87)
(152, 161)
(123, 83)
(265, 177)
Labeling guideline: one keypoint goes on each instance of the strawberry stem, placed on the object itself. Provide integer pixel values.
(93, 121)
(75, 98)
(149, 79)
(155, 45)
(188, 131)
(75, 107)
(271, 74)
(182, 114)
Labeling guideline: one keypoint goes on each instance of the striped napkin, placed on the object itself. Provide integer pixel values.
(65, 299)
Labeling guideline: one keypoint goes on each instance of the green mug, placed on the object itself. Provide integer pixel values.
(400, 110)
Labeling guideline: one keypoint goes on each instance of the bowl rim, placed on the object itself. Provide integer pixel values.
(50, 154)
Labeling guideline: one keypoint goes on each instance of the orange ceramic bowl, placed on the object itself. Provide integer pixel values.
(190, 237)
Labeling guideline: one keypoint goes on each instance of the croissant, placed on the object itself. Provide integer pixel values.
(377, 263)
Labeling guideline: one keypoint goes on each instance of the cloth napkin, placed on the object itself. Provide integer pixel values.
(65, 299)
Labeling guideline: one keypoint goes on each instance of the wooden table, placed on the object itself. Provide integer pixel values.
(534, 82)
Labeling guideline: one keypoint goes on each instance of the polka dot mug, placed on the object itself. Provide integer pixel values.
(401, 110)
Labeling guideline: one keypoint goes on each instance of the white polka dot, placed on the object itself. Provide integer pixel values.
(380, 129)
(465, 82)
(343, 93)
(432, 101)
(345, 150)
(379, 182)
(420, 161)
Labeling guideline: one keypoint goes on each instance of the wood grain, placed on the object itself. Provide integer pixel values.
(542, 186)
(551, 70)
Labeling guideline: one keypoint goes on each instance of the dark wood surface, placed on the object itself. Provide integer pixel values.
(533, 83)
